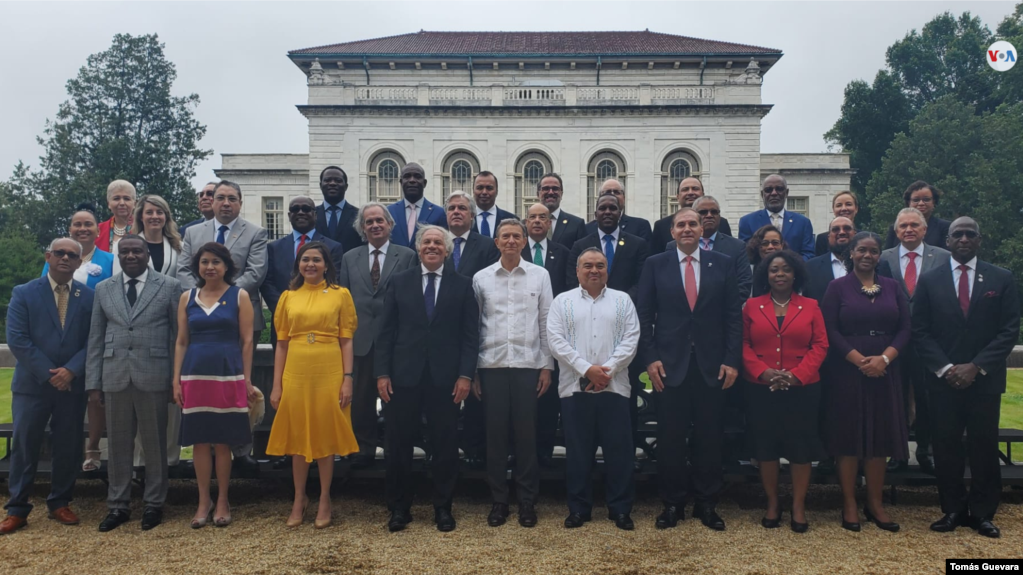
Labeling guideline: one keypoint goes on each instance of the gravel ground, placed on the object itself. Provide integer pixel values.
(259, 543)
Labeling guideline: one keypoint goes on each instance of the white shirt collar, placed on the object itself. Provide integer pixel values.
(142, 278)
(532, 244)
(439, 271)
(780, 213)
(613, 234)
(556, 213)
(918, 251)
(230, 225)
(518, 266)
(465, 236)
(586, 295)
(682, 255)
(383, 248)
(492, 211)
(834, 259)
(972, 264)
(340, 205)
(298, 235)
(419, 204)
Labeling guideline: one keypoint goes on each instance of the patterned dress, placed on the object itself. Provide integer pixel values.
(216, 407)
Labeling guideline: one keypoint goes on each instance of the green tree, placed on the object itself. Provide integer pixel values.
(20, 261)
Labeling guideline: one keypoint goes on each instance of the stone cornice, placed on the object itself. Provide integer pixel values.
(254, 171)
(758, 110)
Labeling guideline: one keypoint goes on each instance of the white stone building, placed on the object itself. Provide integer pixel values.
(647, 108)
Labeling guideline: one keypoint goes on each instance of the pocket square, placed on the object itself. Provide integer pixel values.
(991, 294)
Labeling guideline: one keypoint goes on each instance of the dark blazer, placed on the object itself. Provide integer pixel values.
(736, 250)
(408, 343)
(569, 230)
(670, 331)
(354, 275)
(800, 345)
(892, 268)
(477, 253)
(182, 229)
(937, 234)
(430, 214)
(501, 215)
(820, 245)
(556, 264)
(818, 275)
(797, 230)
(38, 341)
(662, 233)
(280, 263)
(633, 225)
(630, 254)
(984, 337)
(345, 233)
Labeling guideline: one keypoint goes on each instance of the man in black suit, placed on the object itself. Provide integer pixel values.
(924, 197)
(633, 225)
(553, 257)
(689, 190)
(690, 315)
(488, 215)
(965, 323)
(715, 240)
(566, 229)
(205, 207)
(426, 353)
(821, 270)
(335, 216)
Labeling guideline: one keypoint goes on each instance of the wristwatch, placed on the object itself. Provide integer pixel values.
(886, 360)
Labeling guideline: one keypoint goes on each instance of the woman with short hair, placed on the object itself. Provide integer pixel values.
(766, 240)
(121, 202)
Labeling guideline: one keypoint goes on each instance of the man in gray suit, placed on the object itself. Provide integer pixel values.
(130, 362)
(247, 243)
(905, 263)
(365, 271)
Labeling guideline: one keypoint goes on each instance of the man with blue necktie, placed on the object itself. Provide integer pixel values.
(335, 216)
(795, 228)
(484, 192)
(413, 209)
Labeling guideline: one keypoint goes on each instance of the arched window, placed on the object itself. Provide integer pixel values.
(384, 172)
(529, 168)
(602, 167)
(676, 167)
(459, 169)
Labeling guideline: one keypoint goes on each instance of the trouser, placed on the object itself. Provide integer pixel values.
(65, 411)
(699, 405)
(548, 408)
(956, 411)
(364, 405)
(246, 449)
(509, 398)
(173, 438)
(402, 429)
(474, 428)
(592, 419)
(637, 387)
(129, 412)
(914, 374)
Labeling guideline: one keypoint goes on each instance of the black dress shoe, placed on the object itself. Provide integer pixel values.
(246, 465)
(575, 520)
(950, 521)
(527, 515)
(771, 523)
(498, 515)
(476, 462)
(637, 465)
(897, 465)
(986, 528)
(925, 461)
(399, 520)
(114, 519)
(444, 520)
(889, 526)
(670, 517)
(151, 517)
(623, 521)
(799, 527)
(282, 462)
(849, 526)
(709, 517)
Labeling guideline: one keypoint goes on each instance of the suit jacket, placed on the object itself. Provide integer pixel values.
(892, 268)
(408, 343)
(501, 215)
(820, 245)
(38, 341)
(247, 244)
(569, 230)
(986, 335)
(630, 254)
(797, 230)
(182, 229)
(345, 233)
(170, 260)
(630, 224)
(662, 234)
(280, 265)
(556, 264)
(937, 234)
(800, 345)
(430, 214)
(477, 253)
(369, 302)
(670, 331)
(133, 345)
(819, 274)
(736, 250)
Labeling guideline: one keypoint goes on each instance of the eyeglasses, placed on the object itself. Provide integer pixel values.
(838, 229)
(550, 189)
(969, 234)
(613, 191)
(208, 194)
(772, 243)
(709, 212)
(61, 254)
(303, 209)
(769, 189)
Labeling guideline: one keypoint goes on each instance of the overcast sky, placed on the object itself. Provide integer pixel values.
(234, 55)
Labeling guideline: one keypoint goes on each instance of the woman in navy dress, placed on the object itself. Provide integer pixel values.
(213, 374)
(867, 318)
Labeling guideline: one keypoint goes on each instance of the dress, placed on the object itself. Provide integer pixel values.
(309, 420)
(216, 406)
(864, 416)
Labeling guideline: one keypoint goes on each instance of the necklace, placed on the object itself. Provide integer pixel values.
(780, 304)
(120, 231)
(871, 291)
(88, 257)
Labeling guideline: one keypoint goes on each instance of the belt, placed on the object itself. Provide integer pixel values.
(316, 338)
(871, 333)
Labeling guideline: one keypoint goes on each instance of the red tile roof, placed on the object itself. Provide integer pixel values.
(644, 43)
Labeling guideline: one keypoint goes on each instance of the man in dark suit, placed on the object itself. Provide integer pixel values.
(205, 207)
(488, 215)
(924, 197)
(690, 314)
(366, 272)
(629, 224)
(48, 323)
(965, 324)
(795, 228)
(426, 353)
(413, 209)
(822, 270)
(553, 257)
(566, 229)
(689, 190)
(715, 240)
(335, 216)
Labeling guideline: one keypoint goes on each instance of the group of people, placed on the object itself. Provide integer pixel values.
(467, 316)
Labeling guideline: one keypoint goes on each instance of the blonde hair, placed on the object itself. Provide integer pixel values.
(856, 201)
(120, 185)
(170, 228)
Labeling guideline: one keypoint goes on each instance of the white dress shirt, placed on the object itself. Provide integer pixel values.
(696, 267)
(426, 279)
(778, 221)
(138, 287)
(838, 267)
(227, 234)
(461, 248)
(513, 316)
(555, 215)
(491, 219)
(382, 256)
(543, 250)
(904, 260)
(971, 275)
(583, 332)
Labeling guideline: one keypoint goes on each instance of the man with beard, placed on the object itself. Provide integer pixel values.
(689, 190)
(630, 224)
(821, 270)
(488, 215)
(566, 229)
(205, 207)
(795, 228)
(413, 209)
(334, 217)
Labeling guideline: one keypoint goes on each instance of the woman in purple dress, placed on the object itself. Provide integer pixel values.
(867, 319)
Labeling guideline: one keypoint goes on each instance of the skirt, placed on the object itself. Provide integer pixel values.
(783, 423)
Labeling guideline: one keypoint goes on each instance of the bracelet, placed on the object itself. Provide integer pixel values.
(349, 375)
(886, 360)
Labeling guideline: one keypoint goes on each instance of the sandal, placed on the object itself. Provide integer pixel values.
(92, 463)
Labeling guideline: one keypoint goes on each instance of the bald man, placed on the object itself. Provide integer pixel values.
(413, 209)
(628, 224)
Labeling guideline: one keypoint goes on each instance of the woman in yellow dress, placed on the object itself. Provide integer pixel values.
(315, 321)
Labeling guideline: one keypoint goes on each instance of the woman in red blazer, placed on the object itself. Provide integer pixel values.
(784, 344)
(121, 201)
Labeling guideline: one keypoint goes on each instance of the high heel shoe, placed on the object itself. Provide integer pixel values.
(854, 527)
(771, 523)
(295, 523)
(200, 523)
(799, 527)
(223, 521)
(890, 526)
(317, 523)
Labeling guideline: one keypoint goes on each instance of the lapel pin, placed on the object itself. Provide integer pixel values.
(980, 278)
(709, 264)
(564, 221)
(621, 242)
(223, 303)
(78, 293)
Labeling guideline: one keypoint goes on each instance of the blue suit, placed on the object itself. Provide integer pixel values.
(40, 344)
(105, 261)
(797, 230)
(430, 214)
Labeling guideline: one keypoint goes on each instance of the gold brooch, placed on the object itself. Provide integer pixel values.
(311, 338)
(621, 242)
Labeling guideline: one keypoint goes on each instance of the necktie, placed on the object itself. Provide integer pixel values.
(374, 272)
(964, 289)
(458, 252)
(133, 292)
(550, 230)
(62, 292)
(222, 234)
(412, 224)
(430, 294)
(301, 242)
(705, 244)
(538, 255)
(609, 250)
(776, 220)
(485, 228)
(690, 282)
(332, 222)
(910, 276)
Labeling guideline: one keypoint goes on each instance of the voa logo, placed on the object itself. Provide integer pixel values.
(1001, 56)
